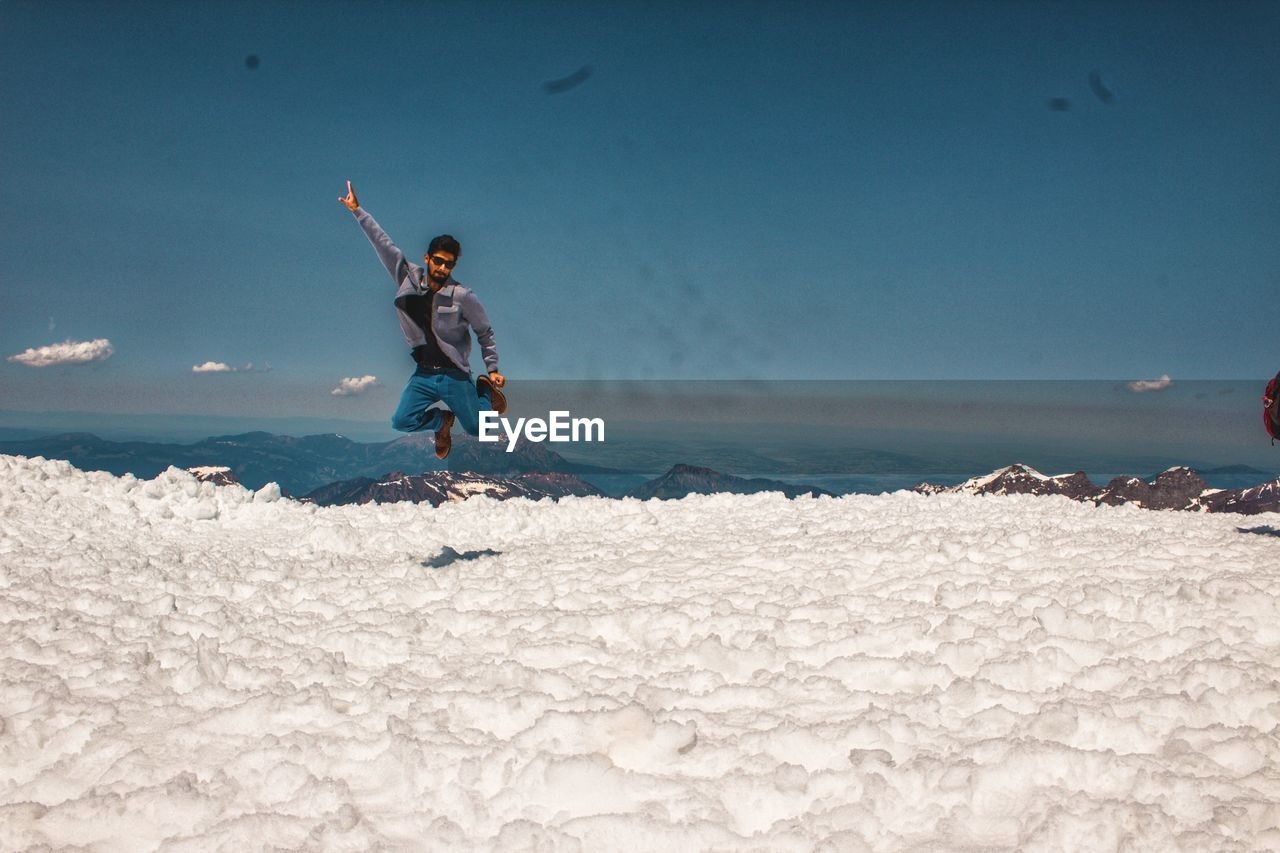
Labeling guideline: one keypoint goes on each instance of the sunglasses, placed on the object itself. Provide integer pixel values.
(441, 262)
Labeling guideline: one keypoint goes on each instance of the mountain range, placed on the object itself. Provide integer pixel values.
(1178, 488)
(298, 465)
(332, 469)
(437, 487)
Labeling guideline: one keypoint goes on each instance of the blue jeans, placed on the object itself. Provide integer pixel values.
(450, 386)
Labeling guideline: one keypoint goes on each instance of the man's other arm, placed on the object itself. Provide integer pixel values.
(473, 312)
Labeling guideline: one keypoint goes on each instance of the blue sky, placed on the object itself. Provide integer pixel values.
(738, 190)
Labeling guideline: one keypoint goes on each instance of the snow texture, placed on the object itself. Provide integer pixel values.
(185, 666)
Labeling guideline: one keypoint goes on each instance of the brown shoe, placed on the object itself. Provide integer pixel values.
(444, 441)
(496, 398)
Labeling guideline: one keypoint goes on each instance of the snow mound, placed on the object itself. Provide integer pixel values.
(190, 666)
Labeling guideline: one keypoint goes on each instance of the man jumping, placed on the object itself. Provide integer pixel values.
(437, 315)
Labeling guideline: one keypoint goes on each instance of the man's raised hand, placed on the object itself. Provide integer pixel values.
(350, 200)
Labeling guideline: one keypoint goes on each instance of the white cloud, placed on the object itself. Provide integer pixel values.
(351, 386)
(67, 352)
(213, 367)
(223, 367)
(1140, 386)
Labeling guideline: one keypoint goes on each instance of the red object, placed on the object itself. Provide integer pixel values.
(1271, 408)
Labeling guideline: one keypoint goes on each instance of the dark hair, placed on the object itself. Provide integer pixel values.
(445, 243)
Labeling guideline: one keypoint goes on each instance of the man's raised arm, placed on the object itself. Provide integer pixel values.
(390, 255)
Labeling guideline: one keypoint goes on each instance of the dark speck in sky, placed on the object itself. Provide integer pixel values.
(1059, 105)
(1100, 89)
(564, 84)
(251, 61)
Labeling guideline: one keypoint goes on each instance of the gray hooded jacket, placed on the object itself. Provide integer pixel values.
(454, 308)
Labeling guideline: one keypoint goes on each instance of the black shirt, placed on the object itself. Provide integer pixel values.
(418, 307)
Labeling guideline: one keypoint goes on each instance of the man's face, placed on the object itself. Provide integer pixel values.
(440, 265)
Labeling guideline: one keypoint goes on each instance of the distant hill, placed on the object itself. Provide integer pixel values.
(782, 458)
(437, 487)
(20, 433)
(684, 480)
(1236, 469)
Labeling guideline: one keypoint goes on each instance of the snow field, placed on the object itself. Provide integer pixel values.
(186, 666)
